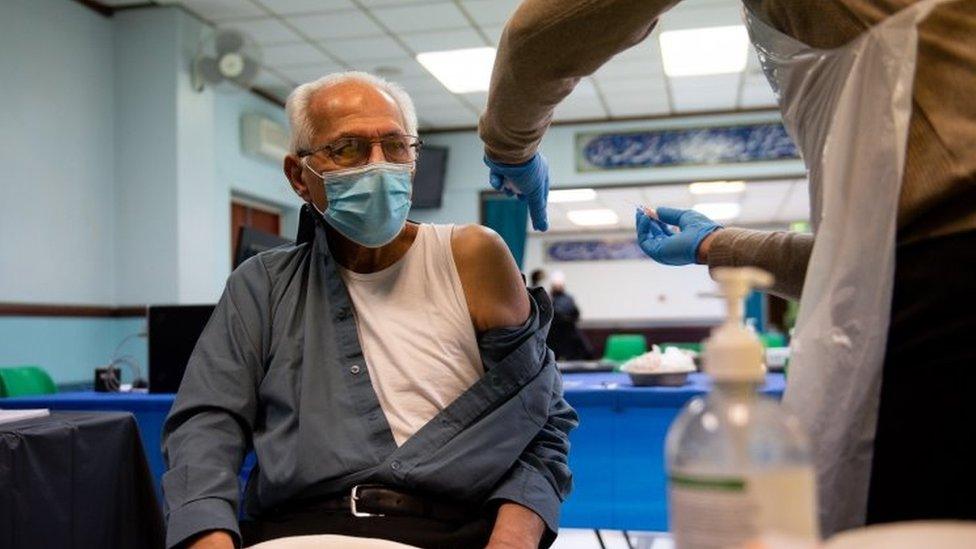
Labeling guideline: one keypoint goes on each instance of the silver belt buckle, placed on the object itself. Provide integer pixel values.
(353, 498)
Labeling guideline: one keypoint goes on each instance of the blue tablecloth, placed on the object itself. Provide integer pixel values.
(617, 453)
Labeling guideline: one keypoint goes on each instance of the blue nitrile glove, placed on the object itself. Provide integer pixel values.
(673, 248)
(528, 182)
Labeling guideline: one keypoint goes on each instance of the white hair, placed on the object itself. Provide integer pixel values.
(302, 128)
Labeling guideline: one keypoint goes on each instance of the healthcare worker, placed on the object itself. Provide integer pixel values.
(883, 374)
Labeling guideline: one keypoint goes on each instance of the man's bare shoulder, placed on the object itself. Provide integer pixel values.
(492, 283)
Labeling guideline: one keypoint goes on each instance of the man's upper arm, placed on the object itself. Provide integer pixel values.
(546, 47)
(206, 433)
(493, 285)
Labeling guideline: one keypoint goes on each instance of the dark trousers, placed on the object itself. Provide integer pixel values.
(925, 451)
(416, 531)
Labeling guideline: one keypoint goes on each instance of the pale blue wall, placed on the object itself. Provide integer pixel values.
(56, 153)
(69, 348)
(115, 176)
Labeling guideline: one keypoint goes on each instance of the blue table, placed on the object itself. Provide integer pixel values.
(617, 452)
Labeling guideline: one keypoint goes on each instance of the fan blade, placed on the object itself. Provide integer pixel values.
(229, 41)
(209, 70)
(247, 75)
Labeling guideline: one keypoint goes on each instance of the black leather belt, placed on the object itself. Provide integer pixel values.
(372, 500)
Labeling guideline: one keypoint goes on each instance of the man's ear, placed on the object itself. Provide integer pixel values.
(293, 171)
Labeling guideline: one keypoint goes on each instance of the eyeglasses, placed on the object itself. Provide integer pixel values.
(350, 152)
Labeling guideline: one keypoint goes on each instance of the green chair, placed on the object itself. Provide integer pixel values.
(25, 381)
(623, 347)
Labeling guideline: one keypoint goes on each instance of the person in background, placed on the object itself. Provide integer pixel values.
(565, 338)
(378, 368)
(922, 460)
(537, 277)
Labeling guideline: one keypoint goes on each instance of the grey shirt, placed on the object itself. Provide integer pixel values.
(280, 368)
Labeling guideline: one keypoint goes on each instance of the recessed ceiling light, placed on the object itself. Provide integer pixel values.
(572, 195)
(593, 218)
(719, 211)
(717, 187)
(712, 50)
(461, 71)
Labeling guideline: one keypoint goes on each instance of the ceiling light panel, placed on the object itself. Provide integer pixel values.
(713, 50)
(461, 71)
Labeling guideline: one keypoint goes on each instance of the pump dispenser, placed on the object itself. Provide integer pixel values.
(734, 352)
(739, 465)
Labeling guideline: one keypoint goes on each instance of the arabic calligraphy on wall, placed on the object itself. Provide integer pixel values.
(684, 147)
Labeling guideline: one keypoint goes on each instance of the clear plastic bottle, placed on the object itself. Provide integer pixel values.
(739, 466)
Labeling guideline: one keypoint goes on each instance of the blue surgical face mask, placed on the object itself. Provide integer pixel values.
(368, 204)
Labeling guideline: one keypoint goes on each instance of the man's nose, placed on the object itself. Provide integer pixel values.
(376, 153)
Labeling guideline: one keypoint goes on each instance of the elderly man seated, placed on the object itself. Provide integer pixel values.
(391, 377)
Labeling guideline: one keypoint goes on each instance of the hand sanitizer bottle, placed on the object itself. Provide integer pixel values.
(739, 466)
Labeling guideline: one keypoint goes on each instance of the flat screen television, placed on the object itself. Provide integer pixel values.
(428, 182)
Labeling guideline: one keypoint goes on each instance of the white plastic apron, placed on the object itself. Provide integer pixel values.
(848, 110)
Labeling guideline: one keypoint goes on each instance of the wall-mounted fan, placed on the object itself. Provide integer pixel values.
(228, 60)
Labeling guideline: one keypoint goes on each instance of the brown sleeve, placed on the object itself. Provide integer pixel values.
(785, 254)
(546, 47)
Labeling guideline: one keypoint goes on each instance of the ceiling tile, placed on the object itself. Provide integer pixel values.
(422, 17)
(490, 12)
(308, 73)
(585, 108)
(761, 200)
(393, 68)
(478, 99)
(655, 86)
(289, 7)
(352, 50)
(333, 25)
(424, 83)
(638, 105)
(443, 40)
(394, 3)
(628, 69)
(284, 55)
(705, 93)
(436, 100)
(264, 31)
(269, 79)
(676, 196)
(448, 119)
(220, 10)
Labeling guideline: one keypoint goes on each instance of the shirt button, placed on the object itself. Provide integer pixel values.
(354, 369)
(395, 465)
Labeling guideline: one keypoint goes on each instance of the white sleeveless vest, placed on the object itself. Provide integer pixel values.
(416, 333)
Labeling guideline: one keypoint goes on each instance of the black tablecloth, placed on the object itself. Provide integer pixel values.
(76, 480)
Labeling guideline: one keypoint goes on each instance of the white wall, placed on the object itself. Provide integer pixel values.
(630, 291)
(56, 153)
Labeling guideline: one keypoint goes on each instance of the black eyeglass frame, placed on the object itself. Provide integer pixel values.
(328, 148)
